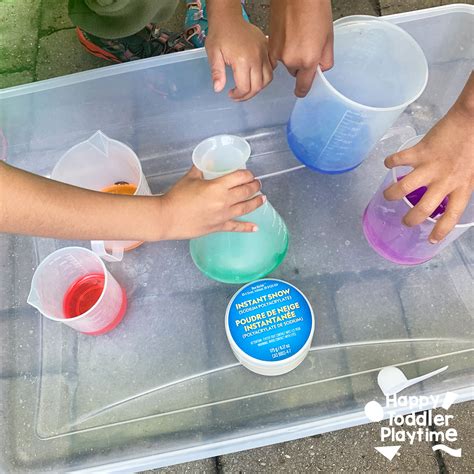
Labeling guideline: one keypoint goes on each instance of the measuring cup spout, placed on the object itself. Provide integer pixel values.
(34, 299)
(100, 141)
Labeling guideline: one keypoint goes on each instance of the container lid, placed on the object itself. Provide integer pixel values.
(269, 322)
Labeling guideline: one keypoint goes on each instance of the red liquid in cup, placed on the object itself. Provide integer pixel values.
(83, 294)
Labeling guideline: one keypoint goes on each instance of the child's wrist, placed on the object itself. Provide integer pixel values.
(156, 219)
(222, 11)
(465, 103)
(465, 108)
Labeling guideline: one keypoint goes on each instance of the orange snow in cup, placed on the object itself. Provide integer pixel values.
(122, 187)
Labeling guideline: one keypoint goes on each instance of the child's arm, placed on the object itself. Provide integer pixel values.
(301, 37)
(34, 205)
(444, 162)
(233, 41)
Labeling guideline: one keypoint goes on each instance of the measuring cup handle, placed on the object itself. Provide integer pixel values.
(98, 247)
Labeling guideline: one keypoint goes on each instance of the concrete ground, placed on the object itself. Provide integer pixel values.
(350, 450)
(37, 41)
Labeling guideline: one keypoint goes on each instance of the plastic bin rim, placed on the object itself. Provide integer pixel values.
(197, 451)
(75, 78)
(277, 435)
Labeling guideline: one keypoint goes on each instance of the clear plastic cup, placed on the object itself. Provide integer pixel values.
(379, 70)
(99, 163)
(73, 278)
(383, 228)
(220, 155)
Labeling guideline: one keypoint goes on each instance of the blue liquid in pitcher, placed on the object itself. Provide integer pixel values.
(328, 137)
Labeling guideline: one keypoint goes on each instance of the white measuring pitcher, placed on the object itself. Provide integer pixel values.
(99, 163)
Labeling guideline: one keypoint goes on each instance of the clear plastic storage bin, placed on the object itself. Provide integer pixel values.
(164, 387)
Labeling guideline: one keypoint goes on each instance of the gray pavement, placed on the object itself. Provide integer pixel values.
(349, 450)
(37, 41)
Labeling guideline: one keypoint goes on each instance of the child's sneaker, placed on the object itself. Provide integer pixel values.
(151, 41)
(196, 25)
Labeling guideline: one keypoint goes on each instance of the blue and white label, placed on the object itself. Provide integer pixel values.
(269, 320)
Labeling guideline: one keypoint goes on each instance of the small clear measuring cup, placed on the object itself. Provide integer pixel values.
(379, 70)
(384, 231)
(102, 164)
(220, 155)
(73, 286)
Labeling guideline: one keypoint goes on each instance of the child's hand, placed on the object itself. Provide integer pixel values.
(34, 205)
(242, 46)
(444, 162)
(195, 207)
(301, 37)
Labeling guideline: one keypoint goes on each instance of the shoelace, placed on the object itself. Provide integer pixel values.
(170, 40)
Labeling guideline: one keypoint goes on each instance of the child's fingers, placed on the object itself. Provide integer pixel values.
(273, 61)
(256, 78)
(243, 208)
(304, 80)
(425, 207)
(194, 173)
(217, 65)
(267, 72)
(242, 80)
(237, 178)
(292, 70)
(402, 158)
(414, 180)
(457, 203)
(237, 226)
(327, 54)
(260, 76)
(256, 82)
(245, 191)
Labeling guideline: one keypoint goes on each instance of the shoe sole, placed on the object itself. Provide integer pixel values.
(94, 49)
